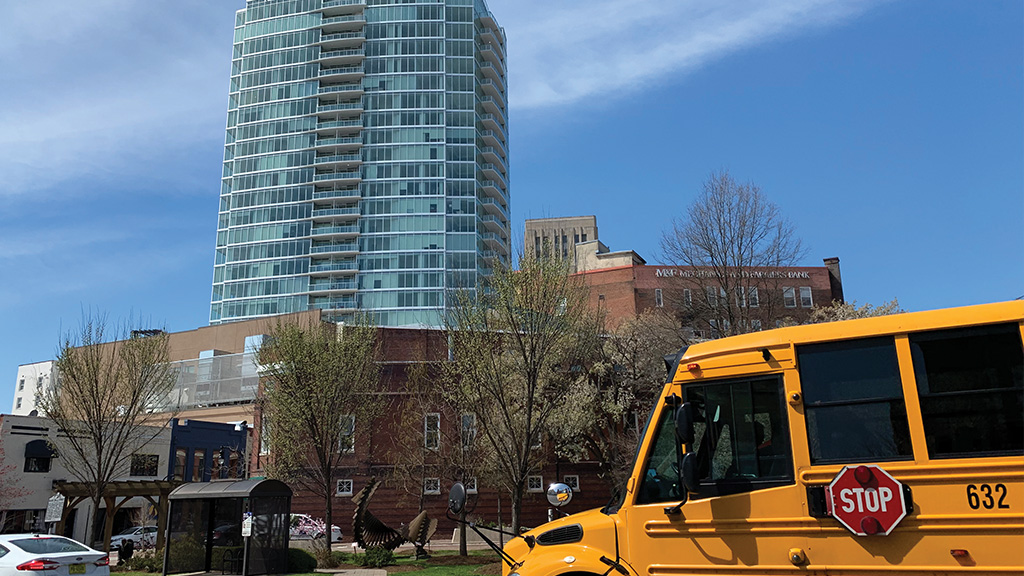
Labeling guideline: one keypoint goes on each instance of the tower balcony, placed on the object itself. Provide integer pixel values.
(493, 155)
(339, 144)
(346, 179)
(343, 111)
(495, 124)
(349, 23)
(342, 90)
(337, 128)
(492, 72)
(493, 207)
(347, 284)
(493, 224)
(333, 267)
(342, 74)
(493, 172)
(342, 57)
(493, 105)
(492, 88)
(342, 40)
(335, 194)
(487, 19)
(491, 189)
(335, 215)
(350, 248)
(337, 232)
(493, 138)
(491, 53)
(339, 162)
(344, 303)
(342, 7)
(495, 241)
(491, 35)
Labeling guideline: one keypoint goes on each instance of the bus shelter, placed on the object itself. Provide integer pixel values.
(238, 527)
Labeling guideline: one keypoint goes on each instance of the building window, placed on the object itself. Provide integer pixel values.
(344, 487)
(470, 485)
(534, 484)
(431, 486)
(347, 438)
(264, 437)
(789, 297)
(805, 297)
(468, 430)
(536, 245)
(584, 237)
(572, 481)
(37, 464)
(199, 465)
(432, 431)
(687, 297)
(600, 297)
(712, 296)
(39, 382)
(18, 403)
(657, 298)
(145, 465)
(180, 455)
(752, 299)
(21, 385)
(755, 325)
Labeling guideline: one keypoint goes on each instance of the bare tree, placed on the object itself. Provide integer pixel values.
(602, 417)
(733, 243)
(318, 385)
(516, 344)
(101, 407)
(437, 439)
(837, 311)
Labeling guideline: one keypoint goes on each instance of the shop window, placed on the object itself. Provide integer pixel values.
(853, 398)
(145, 465)
(971, 384)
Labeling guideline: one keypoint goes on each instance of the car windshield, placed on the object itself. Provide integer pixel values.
(48, 545)
(131, 530)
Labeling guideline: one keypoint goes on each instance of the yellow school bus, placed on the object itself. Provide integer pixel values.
(891, 444)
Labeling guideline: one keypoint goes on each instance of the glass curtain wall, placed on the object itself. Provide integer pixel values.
(365, 164)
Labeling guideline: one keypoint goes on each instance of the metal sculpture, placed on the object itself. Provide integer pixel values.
(369, 532)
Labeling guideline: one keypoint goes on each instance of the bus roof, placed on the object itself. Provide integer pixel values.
(1012, 311)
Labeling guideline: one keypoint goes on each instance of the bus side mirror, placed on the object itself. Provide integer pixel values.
(457, 498)
(559, 494)
(684, 423)
(689, 473)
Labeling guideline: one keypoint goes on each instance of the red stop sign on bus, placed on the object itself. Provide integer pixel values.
(866, 499)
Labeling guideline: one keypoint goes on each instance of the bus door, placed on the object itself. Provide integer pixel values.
(746, 510)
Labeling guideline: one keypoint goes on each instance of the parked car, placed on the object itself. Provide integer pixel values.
(141, 537)
(304, 527)
(49, 555)
(227, 535)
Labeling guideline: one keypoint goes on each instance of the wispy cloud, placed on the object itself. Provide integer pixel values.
(111, 90)
(560, 53)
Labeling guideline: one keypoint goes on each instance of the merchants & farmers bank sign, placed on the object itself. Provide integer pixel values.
(760, 274)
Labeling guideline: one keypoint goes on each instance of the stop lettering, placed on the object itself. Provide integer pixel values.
(866, 499)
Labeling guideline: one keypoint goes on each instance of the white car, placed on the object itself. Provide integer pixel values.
(141, 536)
(49, 555)
(305, 527)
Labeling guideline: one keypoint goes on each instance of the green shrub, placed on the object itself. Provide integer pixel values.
(146, 561)
(300, 561)
(377, 557)
(343, 557)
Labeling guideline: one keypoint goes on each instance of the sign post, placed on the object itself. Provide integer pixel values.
(866, 499)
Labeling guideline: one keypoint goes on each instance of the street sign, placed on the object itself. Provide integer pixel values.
(247, 524)
(866, 499)
(54, 508)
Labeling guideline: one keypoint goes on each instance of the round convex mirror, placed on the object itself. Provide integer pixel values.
(457, 498)
(559, 494)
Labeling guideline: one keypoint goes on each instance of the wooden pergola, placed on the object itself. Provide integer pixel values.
(115, 495)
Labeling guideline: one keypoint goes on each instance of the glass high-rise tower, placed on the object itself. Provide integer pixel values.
(366, 159)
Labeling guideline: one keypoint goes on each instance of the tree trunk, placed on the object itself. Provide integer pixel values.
(517, 508)
(90, 526)
(463, 549)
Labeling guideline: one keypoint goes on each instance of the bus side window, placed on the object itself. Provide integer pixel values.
(853, 398)
(971, 383)
(741, 438)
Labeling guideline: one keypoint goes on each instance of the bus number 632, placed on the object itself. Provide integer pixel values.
(981, 496)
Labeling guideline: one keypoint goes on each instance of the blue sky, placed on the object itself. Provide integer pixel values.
(891, 134)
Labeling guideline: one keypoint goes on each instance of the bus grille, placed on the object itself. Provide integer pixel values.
(563, 535)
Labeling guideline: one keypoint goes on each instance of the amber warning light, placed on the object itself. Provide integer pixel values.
(693, 367)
